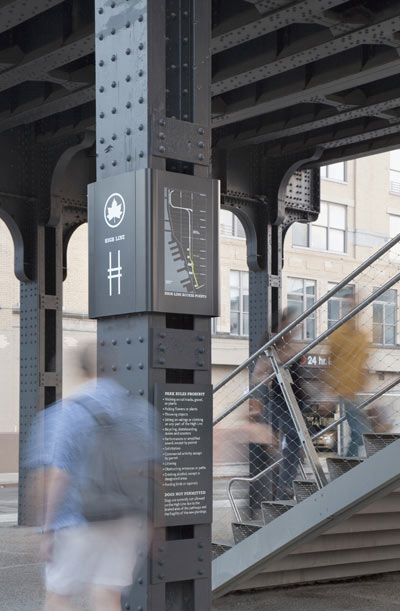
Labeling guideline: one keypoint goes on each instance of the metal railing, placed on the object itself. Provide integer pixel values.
(330, 427)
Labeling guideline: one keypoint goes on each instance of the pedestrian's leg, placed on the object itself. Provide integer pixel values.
(105, 599)
(56, 602)
(290, 463)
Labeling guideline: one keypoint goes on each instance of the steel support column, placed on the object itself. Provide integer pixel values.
(153, 98)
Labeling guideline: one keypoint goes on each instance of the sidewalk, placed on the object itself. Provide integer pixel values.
(21, 586)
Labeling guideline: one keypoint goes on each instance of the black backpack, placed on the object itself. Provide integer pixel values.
(115, 483)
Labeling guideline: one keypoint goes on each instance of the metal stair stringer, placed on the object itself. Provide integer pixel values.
(341, 498)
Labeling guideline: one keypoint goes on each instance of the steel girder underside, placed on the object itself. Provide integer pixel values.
(288, 75)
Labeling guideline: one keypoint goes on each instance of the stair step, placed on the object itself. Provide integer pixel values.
(274, 509)
(374, 443)
(217, 549)
(338, 466)
(242, 530)
(303, 488)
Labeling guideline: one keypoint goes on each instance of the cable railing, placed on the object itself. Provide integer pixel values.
(330, 427)
(264, 399)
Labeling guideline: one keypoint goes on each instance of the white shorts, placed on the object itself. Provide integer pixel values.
(100, 553)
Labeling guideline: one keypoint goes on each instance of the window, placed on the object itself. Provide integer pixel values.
(384, 319)
(239, 289)
(335, 171)
(395, 172)
(394, 229)
(230, 225)
(341, 303)
(300, 296)
(328, 232)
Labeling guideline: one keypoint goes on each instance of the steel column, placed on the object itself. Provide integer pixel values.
(153, 99)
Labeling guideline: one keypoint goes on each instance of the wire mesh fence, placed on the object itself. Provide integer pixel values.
(277, 439)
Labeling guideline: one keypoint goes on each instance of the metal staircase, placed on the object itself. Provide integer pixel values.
(339, 520)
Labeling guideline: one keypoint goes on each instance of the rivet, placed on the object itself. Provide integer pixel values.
(140, 580)
(129, 104)
(200, 363)
(140, 73)
(128, 131)
(102, 166)
(141, 153)
(114, 342)
(141, 127)
(161, 347)
(114, 137)
(101, 115)
(113, 31)
(114, 368)
(186, 117)
(173, 67)
(101, 11)
(201, 572)
(185, 39)
(128, 340)
(161, 334)
(201, 144)
(127, 606)
(128, 52)
(200, 131)
(161, 135)
(113, 84)
(200, 558)
(128, 78)
(140, 18)
(160, 549)
(129, 158)
(102, 140)
(112, 4)
(185, 65)
(141, 392)
(101, 89)
(141, 366)
(129, 367)
(101, 37)
(102, 342)
(113, 58)
(161, 576)
(200, 157)
(141, 46)
(141, 100)
(161, 563)
(161, 149)
(101, 62)
(161, 361)
(128, 24)
(114, 110)
(114, 163)
(141, 340)
(200, 545)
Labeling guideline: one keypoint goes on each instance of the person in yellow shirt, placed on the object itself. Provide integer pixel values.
(348, 349)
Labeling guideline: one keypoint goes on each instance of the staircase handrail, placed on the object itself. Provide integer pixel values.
(381, 251)
(328, 428)
(363, 304)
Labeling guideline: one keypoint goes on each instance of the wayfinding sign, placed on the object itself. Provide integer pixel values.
(153, 237)
(186, 429)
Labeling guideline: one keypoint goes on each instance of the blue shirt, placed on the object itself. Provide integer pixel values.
(62, 434)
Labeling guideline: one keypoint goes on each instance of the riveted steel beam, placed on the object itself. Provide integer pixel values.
(300, 87)
(300, 12)
(14, 12)
(41, 108)
(303, 52)
(278, 126)
(37, 65)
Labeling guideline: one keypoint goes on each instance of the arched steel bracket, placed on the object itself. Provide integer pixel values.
(19, 215)
(251, 212)
(72, 174)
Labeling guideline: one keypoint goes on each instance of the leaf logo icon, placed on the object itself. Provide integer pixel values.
(114, 210)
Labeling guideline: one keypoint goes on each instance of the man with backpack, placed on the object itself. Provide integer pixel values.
(99, 460)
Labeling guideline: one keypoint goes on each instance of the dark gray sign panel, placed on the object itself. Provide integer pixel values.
(153, 238)
(186, 423)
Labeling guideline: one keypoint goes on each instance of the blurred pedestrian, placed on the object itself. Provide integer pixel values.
(348, 350)
(96, 455)
(270, 406)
